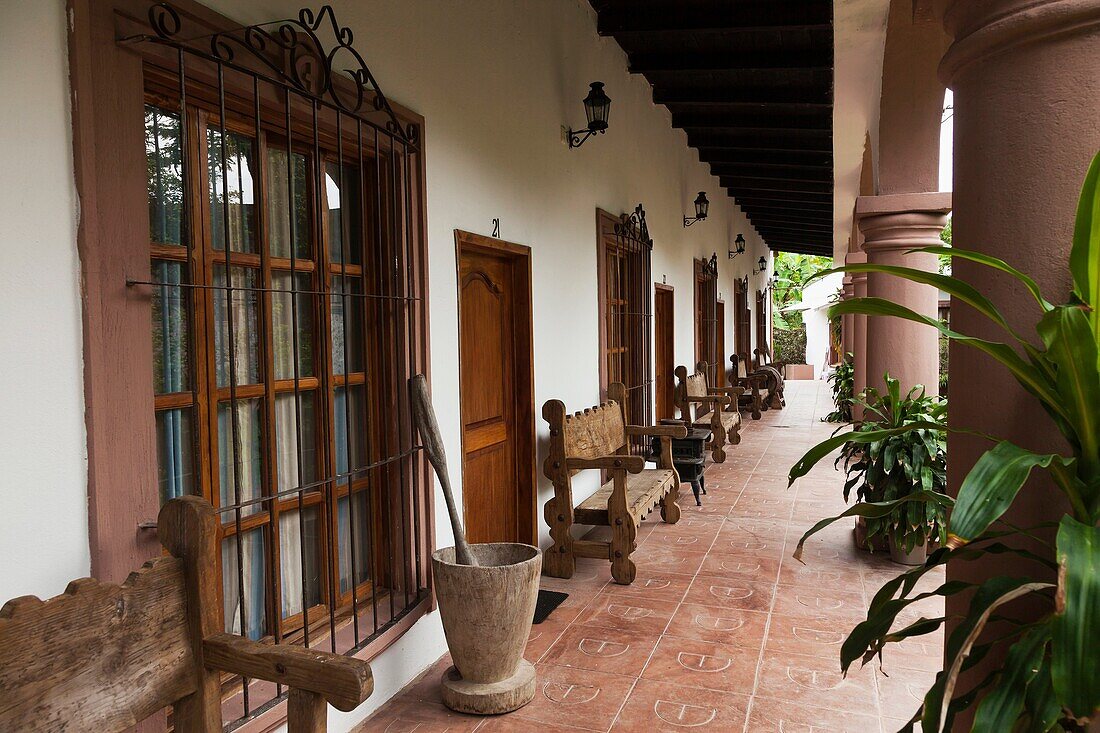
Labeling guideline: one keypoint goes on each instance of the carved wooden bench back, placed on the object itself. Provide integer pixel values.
(597, 431)
(103, 657)
(100, 657)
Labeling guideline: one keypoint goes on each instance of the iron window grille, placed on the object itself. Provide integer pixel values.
(288, 291)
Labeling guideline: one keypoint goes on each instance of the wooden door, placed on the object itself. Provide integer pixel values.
(742, 319)
(720, 343)
(496, 390)
(663, 346)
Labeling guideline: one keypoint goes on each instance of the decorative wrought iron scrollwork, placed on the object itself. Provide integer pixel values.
(294, 54)
(634, 226)
(710, 267)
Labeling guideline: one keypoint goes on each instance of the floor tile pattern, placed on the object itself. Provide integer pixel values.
(722, 630)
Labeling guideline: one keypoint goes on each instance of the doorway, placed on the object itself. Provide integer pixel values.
(720, 343)
(496, 389)
(663, 348)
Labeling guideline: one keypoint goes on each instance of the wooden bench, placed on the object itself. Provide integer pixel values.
(773, 371)
(104, 657)
(753, 383)
(598, 438)
(709, 408)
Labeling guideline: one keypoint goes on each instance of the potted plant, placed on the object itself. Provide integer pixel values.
(893, 467)
(1050, 678)
(843, 380)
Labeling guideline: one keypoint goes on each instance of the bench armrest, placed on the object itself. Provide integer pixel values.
(710, 399)
(632, 464)
(672, 431)
(729, 391)
(344, 681)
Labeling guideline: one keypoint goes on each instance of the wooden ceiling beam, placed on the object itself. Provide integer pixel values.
(776, 184)
(636, 16)
(809, 97)
(751, 155)
(820, 60)
(762, 139)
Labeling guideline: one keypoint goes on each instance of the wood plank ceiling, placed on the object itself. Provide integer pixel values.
(751, 83)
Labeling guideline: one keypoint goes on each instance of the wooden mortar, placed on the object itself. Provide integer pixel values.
(487, 610)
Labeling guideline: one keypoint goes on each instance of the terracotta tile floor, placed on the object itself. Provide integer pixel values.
(722, 630)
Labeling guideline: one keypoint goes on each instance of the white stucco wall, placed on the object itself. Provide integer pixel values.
(43, 469)
(817, 296)
(495, 80)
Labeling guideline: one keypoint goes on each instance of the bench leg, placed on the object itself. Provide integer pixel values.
(558, 561)
(670, 509)
(703, 483)
(695, 487)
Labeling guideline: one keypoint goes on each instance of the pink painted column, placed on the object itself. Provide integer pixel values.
(891, 226)
(859, 331)
(1026, 77)
(846, 321)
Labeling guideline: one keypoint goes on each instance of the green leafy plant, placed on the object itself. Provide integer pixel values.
(843, 381)
(893, 467)
(1050, 678)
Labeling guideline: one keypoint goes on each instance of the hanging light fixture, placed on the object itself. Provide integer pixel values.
(701, 207)
(762, 263)
(739, 246)
(597, 106)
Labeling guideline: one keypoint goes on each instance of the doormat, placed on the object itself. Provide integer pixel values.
(548, 600)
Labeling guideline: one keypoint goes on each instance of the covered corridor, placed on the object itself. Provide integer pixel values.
(722, 630)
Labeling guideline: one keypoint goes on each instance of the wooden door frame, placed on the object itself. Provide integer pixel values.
(663, 288)
(527, 486)
(720, 342)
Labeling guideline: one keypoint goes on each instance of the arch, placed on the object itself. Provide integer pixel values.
(911, 103)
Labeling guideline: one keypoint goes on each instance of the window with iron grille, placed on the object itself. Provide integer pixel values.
(626, 316)
(707, 347)
(287, 279)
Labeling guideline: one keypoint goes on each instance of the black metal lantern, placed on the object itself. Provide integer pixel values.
(701, 207)
(762, 263)
(597, 106)
(739, 246)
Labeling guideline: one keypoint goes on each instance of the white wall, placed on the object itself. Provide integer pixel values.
(817, 296)
(43, 467)
(495, 80)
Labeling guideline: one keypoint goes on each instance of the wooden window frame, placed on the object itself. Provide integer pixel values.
(705, 289)
(635, 346)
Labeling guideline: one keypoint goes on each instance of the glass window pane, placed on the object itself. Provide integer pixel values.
(174, 467)
(351, 411)
(283, 323)
(298, 548)
(242, 455)
(235, 208)
(249, 572)
(345, 218)
(164, 165)
(287, 444)
(246, 340)
(284, 183)
(344, 512)
(171, 328)
(347, 333)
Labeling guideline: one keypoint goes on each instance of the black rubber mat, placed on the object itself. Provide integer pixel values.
(548, 600)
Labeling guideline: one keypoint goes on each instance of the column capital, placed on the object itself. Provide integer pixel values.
(902, 221)
(982, 28)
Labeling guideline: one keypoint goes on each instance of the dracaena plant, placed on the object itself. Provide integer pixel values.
(1050, 677)
(896, 466)
(843, 381)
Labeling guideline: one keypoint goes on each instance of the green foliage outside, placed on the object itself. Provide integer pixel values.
(792, 272)
(790, 344)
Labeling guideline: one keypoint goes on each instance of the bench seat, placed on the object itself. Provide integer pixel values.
(731, 422)
(644, 492)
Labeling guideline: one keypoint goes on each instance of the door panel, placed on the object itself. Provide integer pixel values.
(497, 486)
(664, 357)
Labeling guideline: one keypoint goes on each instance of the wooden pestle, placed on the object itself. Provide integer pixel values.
(424, 417)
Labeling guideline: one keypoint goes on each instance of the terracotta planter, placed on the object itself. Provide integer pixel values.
(917, 557)
(878, 544)
(487, 613)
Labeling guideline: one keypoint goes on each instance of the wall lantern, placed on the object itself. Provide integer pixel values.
(701, 206)
(597, 105)
(739, 246)
(762, 264)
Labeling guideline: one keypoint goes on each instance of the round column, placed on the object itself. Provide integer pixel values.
(1026, 77)
(908, 351)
